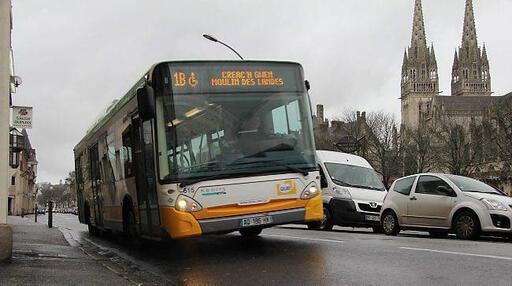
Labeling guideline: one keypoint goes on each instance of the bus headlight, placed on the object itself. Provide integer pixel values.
(186, 204)
(310, 192)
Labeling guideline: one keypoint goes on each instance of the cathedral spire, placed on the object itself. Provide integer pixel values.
(469, 38)
(432, 55)
(404, 63)
(418, 39)
(470, 72)
(484, 54)
(455, 60)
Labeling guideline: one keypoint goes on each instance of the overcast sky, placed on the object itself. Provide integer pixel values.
(76, 56)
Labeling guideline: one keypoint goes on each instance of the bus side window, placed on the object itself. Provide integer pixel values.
(126, 153)
(323, 180)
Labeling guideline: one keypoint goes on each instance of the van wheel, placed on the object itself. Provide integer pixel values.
(250, 232)
(390, 223)
(466, 226)
(324, 224)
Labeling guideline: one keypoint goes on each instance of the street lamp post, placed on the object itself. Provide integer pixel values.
(213, 39)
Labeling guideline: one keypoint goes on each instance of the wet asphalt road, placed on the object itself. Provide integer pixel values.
(293, 255)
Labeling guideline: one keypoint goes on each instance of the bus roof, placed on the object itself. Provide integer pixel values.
(112, 110)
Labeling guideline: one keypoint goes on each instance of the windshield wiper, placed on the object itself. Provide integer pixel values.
(340, 182)
(278, 162)
(197, 180)
(295, 169)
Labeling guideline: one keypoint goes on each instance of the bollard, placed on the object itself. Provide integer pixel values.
(50, 214)
(35, 213)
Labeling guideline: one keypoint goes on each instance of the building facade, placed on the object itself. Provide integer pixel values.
(22, 181)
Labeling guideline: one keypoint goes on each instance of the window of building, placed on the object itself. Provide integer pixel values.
(13, 180)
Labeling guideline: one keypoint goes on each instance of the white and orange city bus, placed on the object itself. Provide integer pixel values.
(199, 147)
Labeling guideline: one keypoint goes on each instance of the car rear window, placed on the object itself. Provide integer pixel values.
(404, 186)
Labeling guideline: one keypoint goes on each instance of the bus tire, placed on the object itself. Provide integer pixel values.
(250, 232)
(93, 230)
(130, 228)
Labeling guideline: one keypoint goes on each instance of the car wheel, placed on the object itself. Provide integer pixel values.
(438, 234)
(466, 225)
(390, 224)
(250, 232)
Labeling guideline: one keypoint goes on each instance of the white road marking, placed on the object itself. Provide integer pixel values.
(304, 238)
(458, 253)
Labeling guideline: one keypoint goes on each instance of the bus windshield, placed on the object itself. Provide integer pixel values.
(227, 134)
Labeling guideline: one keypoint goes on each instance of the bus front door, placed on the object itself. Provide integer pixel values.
(145, 177)
(96, 185)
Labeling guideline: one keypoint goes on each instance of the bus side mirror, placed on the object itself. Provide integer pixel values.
(146, 102)
(323, 180)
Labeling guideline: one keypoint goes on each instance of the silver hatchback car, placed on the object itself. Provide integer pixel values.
(442, 203)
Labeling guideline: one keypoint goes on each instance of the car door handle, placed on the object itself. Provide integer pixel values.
(413, 199)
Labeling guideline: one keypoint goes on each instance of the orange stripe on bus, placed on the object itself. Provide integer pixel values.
(179, 224)
(113, 212)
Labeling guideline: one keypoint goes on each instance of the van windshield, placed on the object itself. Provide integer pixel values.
(354, 176)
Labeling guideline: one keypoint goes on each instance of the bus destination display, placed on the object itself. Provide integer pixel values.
(200, 78)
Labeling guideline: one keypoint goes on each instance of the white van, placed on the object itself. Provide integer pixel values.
(352, 192)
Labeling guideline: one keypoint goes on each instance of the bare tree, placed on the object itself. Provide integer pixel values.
(503, 132)
(457, 154)
(418, 148)
(383, 149)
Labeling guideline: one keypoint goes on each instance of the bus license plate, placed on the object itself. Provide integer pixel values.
(372, 217)
(257, 220)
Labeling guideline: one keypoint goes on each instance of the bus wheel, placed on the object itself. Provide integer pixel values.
(130, 228)
(250, 232)
(93, 230)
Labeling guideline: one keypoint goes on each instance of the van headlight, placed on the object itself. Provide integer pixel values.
(186, 204)
(310, 192)
(342, 193)
(494, 205)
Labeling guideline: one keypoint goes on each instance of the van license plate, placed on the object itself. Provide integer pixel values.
(372, 217)
(257, 220)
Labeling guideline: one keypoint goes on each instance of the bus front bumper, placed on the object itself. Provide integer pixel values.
(182, 224)
(228, 224)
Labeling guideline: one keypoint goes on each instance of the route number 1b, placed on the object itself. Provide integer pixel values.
(181, 79)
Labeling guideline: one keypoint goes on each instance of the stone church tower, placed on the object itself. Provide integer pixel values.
(470, 72)
(420, 81)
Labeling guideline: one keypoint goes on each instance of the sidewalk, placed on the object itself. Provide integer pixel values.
(43, 256)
